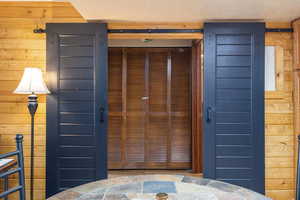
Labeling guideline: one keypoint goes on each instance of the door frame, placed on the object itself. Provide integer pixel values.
(197, 111)
(196, 90)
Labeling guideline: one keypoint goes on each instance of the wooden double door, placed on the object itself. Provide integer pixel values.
(149, 102)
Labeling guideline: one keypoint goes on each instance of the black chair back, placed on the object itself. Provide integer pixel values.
(19, 169)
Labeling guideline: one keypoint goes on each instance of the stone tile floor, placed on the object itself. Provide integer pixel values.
(145, 187)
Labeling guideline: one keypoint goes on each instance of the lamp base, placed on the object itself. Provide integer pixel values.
(32, 104)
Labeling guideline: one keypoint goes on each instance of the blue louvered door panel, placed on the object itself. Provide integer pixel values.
(76, 136)
(234, 103)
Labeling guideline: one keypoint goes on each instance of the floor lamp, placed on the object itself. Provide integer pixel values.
(32, 83)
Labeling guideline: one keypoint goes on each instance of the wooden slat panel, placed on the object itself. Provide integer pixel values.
(135, 91)
(124, 106)
(115, 105)
(144, 136)
(181, 102)
(158, 102)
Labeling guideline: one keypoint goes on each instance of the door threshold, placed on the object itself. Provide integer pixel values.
(135, 172)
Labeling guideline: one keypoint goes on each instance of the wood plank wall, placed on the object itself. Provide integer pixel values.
(19, 48)
(279, 131)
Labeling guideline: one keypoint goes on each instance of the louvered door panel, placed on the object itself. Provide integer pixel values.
(150, 126)
(158, 131)
(115, 107)
(135, 136)
(234, 103)
(76, 140)
(181, 108)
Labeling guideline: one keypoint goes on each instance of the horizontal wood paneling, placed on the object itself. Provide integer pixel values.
(279, 130)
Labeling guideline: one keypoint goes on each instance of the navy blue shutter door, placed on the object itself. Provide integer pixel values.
(77, 106)
(234, 103)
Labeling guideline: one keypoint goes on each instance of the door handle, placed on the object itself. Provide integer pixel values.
(101, 114)
(209, 114)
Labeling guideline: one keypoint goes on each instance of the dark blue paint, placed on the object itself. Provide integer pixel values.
(83, 162)
(235, 174)
(76, 173)
(76, 40)
(233, 50)
(244, 128)
(76, 140)
(77, 151)
(76, 129)
(233, 150)
(233, 72)
(76, 62)
(234, 92)
(233, 61)
(76, 84)
(76, 96)
(77, 74)
(71, 51)
(233, 39)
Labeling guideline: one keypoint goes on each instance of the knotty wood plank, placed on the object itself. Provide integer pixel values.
(280, 162)
(280, 194)
(279, 129)
(279, 184)
(279, 67)
(20, 108)
(282, 118)
(281, 150)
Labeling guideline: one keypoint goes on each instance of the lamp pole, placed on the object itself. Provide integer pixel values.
(32, 83)
(32, 107)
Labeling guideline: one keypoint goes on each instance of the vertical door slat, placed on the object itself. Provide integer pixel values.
(169, 106)
(146, 105)
(124, 106)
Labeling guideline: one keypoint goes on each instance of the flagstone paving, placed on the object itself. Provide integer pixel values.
(145, 187)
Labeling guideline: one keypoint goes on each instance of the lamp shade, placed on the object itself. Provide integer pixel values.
(32, 82)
